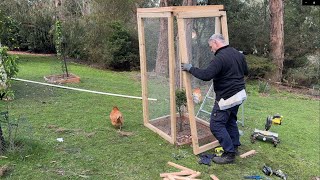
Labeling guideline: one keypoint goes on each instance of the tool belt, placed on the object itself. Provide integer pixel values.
(234, 100)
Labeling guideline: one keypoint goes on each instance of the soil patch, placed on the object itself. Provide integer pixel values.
(4, 170)
(184, 137)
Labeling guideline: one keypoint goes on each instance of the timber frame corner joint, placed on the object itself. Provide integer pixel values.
(181, 13)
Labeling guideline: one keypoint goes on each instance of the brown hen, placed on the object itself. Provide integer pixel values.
(197, 98)
(116, 118)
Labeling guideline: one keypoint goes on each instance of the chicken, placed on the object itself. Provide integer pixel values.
(116, 118)
(197, 98)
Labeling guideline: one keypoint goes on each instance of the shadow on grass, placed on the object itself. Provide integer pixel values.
(32, 91)
(24, 149)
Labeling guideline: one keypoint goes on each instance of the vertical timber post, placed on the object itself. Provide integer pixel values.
(143, 64)
(217, 25)
(172, 78)
(224, 26)
(187, 83)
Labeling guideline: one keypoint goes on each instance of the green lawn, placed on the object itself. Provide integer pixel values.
(93, 149)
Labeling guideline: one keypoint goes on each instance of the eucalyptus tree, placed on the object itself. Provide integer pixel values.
(276, 38)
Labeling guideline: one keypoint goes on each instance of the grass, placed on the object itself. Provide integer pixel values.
(106, 155)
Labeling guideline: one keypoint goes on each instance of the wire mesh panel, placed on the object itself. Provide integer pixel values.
(156, 36)
(13, 131)
(195, 28)
(203, 28)
(197, 33)
(156, 75)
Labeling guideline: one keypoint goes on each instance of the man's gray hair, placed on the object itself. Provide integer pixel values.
(218, 37)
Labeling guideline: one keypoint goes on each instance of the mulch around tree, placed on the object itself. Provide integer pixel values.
(62, 79)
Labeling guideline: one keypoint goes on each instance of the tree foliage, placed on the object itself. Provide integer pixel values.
(123, 48)
(8, 69)
(258, 66)
(9, 31)
(90, 36)
(248, 25)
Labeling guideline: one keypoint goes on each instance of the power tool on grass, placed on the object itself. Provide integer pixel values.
(218, 151)
(268, 171)
(266, 135)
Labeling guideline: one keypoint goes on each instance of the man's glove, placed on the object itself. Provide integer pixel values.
(185, 67)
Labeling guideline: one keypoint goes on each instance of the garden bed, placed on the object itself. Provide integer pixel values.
(184, 137)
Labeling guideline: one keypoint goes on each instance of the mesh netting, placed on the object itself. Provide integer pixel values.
(198, 31)
(11, 130)
(157, 67)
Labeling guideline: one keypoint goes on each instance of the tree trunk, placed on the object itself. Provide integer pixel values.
(3, 77)
(162, 52)
(59, 5)
(276, 38)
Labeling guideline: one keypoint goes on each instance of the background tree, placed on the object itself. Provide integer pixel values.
(276, 38)
(302, 42)
(162, 51)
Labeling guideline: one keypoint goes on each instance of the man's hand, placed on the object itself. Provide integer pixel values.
(185, 67)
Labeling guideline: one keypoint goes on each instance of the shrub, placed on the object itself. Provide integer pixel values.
(181, 102)
(39, 34)
(295, 62)
(264, 87)
(75, 36)
(122, 48)
(306, 74)
(258, 66)
(9, 31)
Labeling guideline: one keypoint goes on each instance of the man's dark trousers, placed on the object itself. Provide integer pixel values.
(223, 125)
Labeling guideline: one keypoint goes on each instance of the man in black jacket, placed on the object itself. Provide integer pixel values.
(227, 71)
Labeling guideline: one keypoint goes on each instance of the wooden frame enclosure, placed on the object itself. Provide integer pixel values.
(181, 13)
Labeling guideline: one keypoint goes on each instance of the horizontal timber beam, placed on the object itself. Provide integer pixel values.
(180, 9)
(154, 15)
(199, 14)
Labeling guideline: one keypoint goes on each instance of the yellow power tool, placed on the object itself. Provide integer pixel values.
(276, 119)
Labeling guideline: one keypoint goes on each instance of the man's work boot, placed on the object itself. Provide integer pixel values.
(225, 158)
(236, 151)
